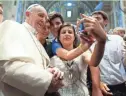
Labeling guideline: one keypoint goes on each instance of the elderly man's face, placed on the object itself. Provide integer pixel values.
(1, 14)
(37, 17)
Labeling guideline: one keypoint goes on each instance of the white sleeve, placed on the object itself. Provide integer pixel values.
(121, 49)
(26, 77)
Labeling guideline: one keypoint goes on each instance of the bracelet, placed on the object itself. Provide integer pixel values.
(80, 46)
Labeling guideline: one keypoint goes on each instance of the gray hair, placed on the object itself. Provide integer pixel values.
(30, 8)
(117, 29)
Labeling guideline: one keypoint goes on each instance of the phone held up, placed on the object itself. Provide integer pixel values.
(84, 33)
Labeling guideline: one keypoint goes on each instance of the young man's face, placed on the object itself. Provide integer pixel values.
(1, 14)
(55, 25)
(100, 19)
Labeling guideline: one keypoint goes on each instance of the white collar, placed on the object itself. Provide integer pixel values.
(30, 28)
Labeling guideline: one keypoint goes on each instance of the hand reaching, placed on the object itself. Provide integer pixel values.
(105, 90)
(93, 27)
(86, 38)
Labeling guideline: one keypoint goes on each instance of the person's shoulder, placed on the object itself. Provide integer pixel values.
(9, 24)
(115, 37)
(10, 27)
(55, 41)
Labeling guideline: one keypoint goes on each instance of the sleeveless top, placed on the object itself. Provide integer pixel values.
(75, 75)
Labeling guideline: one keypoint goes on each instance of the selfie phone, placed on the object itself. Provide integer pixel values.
(82, 29)
(84, 32)
(82, 26)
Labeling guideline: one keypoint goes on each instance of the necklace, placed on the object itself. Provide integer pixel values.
(69, 67)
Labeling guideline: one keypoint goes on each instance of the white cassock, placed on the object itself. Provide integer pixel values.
(23, 61)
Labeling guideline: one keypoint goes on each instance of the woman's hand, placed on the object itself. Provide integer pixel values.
(105, 90)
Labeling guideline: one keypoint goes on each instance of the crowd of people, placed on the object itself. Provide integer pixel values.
(32, 65)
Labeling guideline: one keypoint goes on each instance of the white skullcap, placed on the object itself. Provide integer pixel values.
(32, 6)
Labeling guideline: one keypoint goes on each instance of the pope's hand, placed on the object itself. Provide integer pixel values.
(57, 74)
(55, 85)
(57, 80)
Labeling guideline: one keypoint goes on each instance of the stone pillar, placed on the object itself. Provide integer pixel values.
(123, 8)
(9, 8)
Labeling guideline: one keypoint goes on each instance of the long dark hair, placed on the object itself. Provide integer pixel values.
(68, 25)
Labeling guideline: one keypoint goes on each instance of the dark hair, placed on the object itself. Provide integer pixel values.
(47, 20)
(104, 15)
(54, 15)
(68, 25)
(124, 38)
(1, 5)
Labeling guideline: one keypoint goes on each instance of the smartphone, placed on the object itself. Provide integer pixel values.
(82, 26)
(84, 32)
(88, 35)
(82, 29)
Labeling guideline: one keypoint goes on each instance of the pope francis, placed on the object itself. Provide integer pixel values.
(23, 60)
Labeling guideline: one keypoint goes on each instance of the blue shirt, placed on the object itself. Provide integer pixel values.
(55, 46)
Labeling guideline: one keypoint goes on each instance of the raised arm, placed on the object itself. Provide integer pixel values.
(97, 54)
(95, 75)
(69, 55)
(93, 27)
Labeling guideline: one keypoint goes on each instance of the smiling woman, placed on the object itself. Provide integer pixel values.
(74, 76)
(67, 36)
